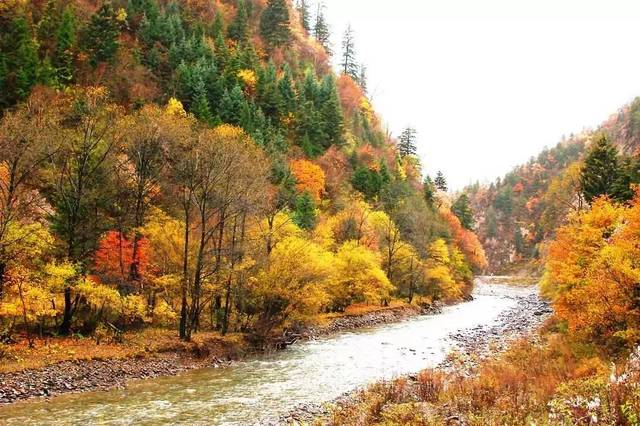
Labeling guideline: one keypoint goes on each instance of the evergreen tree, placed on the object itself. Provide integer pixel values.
(274, 24)
(321, 29)
(101, 37)
(25, 61)
(363, 80)
(65, 45)
(287, 93)
(348, 64)
(267, 93)
(200, 106)
(305, 215)
(601, 173)
(407, 142)
(239, 28)
(429, 191)
(331, 110)
(462, 209)
(233, 106)
(441, 182)
(303, 10)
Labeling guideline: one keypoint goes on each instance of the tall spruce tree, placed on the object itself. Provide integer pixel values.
(321, 29)
(239, 28)
(407, 142)
(101, 36)
(66, 39)
(462, 209)
(429, 191)
(602, 173)
(363, 80)
(274, 24)
(303, 10)
(349, 64)
(441, 182)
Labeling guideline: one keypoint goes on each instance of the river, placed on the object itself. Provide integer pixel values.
(269, 386)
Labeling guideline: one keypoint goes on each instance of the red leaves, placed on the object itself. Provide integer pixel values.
(114, 258)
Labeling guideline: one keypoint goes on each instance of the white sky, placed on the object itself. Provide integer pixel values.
(489, 83)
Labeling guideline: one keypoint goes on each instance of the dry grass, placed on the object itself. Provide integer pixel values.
(46, 351)
(544, 383)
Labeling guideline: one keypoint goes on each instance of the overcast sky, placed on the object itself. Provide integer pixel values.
(489, 83)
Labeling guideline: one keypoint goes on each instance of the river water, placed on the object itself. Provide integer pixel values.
(269, 386)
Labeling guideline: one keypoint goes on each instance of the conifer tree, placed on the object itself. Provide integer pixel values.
(101, 37)
(274, 24)
(429, 191)
(25, 62)
(321, 29)
(462, 209)
(65, 45)
(349, 65)
(304, 214)
(303, 10)
(602, 173)
(331, 110)
(441, 182)
(363, 80)
(239, 28)
(407, 142)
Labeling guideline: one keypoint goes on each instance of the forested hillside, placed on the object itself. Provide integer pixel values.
(518, 212)
(197, 165)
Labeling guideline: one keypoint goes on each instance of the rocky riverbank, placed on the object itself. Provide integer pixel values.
(103, 374)
(472, 347)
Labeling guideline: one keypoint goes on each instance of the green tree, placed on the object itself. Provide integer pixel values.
(602, 173)
(274, 24)
(321, 29)
(349, 64)
(441, 182)
(239, 28)
(407, 142)
(305, 215)
(24, 63)
(101, 36)
(303, 10)
(429, 191)
(462, 209)
(66, 40)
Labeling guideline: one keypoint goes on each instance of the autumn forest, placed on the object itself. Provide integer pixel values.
(200, 178)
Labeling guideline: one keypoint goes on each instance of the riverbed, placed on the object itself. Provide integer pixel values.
(269, 386)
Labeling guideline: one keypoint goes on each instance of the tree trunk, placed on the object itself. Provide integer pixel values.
(65, 327)
(185, 281)
(3, 268)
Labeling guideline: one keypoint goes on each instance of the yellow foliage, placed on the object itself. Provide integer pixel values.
(175, 107)
(295, 278)
(248, 77)
(359, 277)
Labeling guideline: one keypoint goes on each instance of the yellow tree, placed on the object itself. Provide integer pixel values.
(292, 285)
(359, 277)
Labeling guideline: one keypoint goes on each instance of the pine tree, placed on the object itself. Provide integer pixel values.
(462, 209)
(65, 45)
(407, 142)
(363, 80)
(304, 214)
(303, 10)
(321, 30)
(331, 110)
(101, 37)
(200, 105)
(239, 28)
(349, 65)
(274, 24)
(441, 182)
(24, 62)
(429, 191)
(602, 173)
